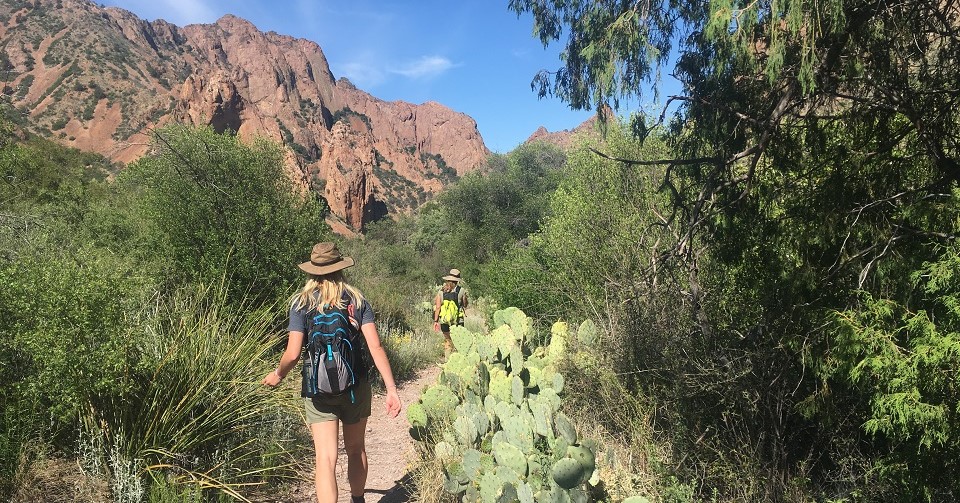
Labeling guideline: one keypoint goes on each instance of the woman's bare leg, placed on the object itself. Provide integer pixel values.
(354, 444)
(325, 444)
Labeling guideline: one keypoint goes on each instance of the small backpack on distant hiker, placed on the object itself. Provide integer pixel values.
(451, 307)
(333, 358)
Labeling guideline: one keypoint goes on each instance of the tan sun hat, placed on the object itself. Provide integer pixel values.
(454, 276)
(325, 258)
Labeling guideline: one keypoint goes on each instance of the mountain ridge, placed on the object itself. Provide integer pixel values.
(99, 78)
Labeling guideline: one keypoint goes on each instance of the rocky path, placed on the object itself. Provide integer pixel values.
(389, 446)
(389, 449)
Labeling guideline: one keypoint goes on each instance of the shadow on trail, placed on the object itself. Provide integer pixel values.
(399, 493)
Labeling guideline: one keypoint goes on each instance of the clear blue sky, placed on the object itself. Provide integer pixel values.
(474, 56)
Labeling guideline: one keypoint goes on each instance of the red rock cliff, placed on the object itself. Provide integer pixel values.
(99, 78)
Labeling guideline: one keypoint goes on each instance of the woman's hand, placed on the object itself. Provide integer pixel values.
(272, 379)
(436, 326)
(289, 358)
(393, 403)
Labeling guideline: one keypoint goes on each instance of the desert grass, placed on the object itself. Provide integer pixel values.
(198, 416)
(409, 350)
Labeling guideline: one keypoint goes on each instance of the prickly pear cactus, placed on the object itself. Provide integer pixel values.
(587, 333)
(567, 473)
(501, 386)
(586, 459)
(416, 415)
(565, 428)
(559, 336)
(493, 418)
(439, 402)
(463, 339)
(510, 456)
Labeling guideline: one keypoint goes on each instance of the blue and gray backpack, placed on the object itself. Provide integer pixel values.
(333, 359)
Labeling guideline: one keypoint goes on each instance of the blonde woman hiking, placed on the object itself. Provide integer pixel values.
(331, 323)
(449, 306)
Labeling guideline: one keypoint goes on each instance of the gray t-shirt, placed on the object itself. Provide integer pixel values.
(298, 317)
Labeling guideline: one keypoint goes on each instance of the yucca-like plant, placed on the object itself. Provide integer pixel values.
(198, 414)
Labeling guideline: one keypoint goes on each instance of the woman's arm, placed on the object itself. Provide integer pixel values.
(380, 359)
(287, 361)
(436, 311)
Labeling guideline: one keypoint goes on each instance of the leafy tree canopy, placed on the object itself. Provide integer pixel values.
(766, 82)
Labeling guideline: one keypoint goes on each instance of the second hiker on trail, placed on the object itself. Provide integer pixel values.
(331, 323)
(449, 306)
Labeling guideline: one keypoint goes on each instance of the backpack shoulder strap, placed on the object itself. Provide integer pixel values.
(351, 309)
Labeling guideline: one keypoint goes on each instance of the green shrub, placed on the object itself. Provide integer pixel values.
(65, 310)
(224, 208)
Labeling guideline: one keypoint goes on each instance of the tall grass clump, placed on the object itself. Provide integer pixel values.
(196, 414)
(408, 350)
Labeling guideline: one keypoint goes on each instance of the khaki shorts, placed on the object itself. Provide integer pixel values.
(328, 408)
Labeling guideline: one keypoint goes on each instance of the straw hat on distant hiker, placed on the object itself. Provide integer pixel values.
(331, 323)
(454, 276)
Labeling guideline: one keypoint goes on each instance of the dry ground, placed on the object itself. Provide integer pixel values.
(389, 449)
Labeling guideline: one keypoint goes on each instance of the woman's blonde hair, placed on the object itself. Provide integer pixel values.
(326, 291)
(448, 286)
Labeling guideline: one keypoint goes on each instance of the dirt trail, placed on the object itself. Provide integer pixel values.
(389, 446)
(389, 449)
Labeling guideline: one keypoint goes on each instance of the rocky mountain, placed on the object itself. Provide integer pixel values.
(99, 78)
(564, 138)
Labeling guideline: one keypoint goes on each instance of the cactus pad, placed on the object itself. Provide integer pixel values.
(558, 341)
(444, 451)
(542, 416)
(550, 397)
(519, 432)
(439, 401)
(517, 391)
(483, 379)
(524, 493)
(490, 487)
(462, 338)
(516, 360)
(585, 457)
(587, 333)
(510, 456)
(565, 428)
(466, 430)
(416, 416)
(500, 385)
(485, 349)
(559, 447)
(578, 495)
(453, 486)
(567, 473)
(471, 463)
(482, 422)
